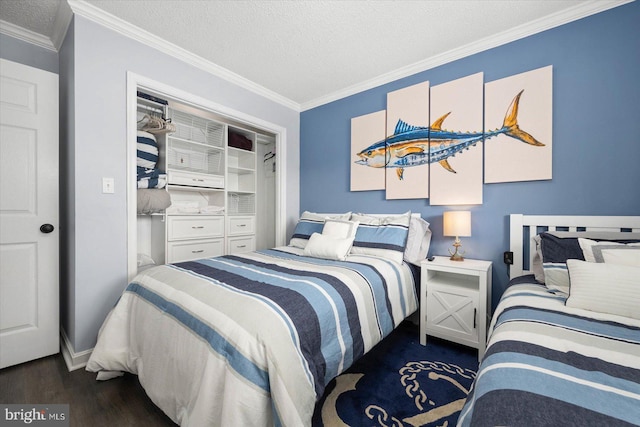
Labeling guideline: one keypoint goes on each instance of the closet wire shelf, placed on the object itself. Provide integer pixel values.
(241, 203)
(195, 159)
(197, 129)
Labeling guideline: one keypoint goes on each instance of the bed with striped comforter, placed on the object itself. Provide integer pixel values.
(250, 339)
(548, 364)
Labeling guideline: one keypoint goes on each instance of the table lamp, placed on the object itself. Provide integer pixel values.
(457, 223)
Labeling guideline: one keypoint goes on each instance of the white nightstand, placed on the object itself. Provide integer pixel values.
(455, 301)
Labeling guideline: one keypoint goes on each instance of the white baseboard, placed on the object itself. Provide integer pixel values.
(72, 359)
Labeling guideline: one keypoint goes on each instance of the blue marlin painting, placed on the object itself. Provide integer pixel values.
(418, 145)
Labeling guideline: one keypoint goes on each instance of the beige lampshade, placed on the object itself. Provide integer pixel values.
(457, 223)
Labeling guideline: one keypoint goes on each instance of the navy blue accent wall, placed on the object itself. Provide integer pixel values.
(596, 135)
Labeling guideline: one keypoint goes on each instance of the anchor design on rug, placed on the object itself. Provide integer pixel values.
(428, 413)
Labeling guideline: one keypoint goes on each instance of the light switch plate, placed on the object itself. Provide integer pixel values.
(108, 185)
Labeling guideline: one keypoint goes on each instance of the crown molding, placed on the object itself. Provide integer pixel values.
(53, 43)
(566, 16)
(15, 31)
(61, 24)
(86, 10)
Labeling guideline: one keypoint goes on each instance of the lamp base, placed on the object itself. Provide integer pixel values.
(456, 256)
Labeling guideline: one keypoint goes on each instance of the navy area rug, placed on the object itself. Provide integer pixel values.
(401, 383)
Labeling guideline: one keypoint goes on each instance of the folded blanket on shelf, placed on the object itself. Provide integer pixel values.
(211, 209)
(153, 200)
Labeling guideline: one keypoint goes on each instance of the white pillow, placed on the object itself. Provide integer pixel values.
(611, 252)
(328, 247)
(309, 223)
(604, 288)
(418, 241)
(342, 229)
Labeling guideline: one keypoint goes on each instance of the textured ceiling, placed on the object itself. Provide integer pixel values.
(305, 50)
(35, 15)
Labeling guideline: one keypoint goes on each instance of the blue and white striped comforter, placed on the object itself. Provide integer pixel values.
(250, 339)
(548, 364)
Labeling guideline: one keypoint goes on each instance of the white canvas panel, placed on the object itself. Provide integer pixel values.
(365, 131)
(411, 105)
(462, 100)
(507, 158)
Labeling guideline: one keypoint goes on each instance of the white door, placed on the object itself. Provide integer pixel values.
(29, 232)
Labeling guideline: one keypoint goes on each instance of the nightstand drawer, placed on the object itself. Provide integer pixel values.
(195, 227)
(190, 250)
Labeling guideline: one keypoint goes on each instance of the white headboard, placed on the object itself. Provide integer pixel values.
(527, 225)
(413, 214)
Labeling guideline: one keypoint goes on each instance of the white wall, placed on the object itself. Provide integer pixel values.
(97, 258)
(28, 54)
(67, 191)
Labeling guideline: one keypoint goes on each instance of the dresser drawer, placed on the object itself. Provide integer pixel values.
(194, 249)
(195, 179)
(239, 245)
(194, 227)
(239, 225)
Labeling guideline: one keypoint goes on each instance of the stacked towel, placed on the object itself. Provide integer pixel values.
(151, 178)
(147, 152)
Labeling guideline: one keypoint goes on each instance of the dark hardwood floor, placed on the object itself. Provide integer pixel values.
(117, 402)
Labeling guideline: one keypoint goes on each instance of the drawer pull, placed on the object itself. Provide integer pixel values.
(197, 252)
(197, 179)
(197, 227)
(241, 225)
(242, 246)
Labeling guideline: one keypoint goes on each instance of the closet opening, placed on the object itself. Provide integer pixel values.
(203, 180)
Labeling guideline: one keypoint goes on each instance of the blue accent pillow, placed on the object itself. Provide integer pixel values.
(384, 237)
(555, 253)
(558, 247)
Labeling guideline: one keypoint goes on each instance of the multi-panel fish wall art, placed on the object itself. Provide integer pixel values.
(446, 154)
